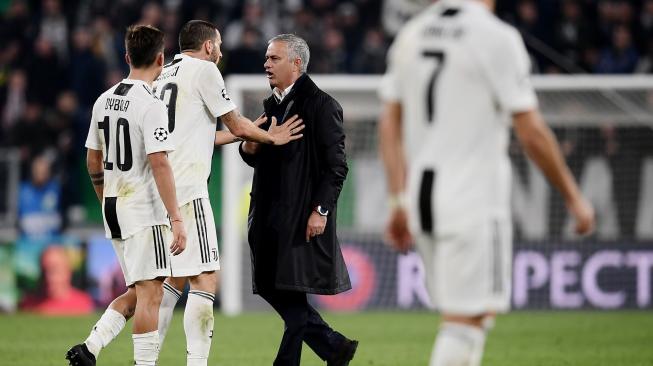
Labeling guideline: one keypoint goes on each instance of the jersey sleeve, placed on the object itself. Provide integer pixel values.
(213, 91)
(508, 67)
(389, 87)
(93, 139)
(156, 136)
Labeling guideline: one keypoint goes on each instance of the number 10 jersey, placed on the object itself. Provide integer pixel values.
(127, 124)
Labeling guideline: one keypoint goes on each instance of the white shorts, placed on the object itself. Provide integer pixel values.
(468, 273)
(201, 253)
(145, 255)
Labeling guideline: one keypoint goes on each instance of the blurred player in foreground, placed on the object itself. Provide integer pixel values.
(456, 76)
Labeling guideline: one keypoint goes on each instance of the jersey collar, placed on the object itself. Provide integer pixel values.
(136, 81)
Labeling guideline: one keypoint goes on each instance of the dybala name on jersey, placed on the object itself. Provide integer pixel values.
(116, 104)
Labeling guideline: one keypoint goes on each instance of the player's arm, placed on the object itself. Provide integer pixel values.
(155, 120)
(394, 162)
(243, 128)
(211, 88)
(165, 184)
(95, 168)
(224, 137)
(541, 146)
(391, 147)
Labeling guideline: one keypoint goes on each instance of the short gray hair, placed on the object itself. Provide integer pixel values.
(297, 48)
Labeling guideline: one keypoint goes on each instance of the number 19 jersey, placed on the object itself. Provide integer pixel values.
(459, 73)
(127, 124)
(196, 96)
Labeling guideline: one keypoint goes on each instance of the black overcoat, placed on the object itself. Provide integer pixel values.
(289, 182)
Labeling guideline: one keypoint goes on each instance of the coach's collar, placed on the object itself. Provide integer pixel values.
(279, 94)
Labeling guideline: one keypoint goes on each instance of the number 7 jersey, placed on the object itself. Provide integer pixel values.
(127, 124)
(459, 74)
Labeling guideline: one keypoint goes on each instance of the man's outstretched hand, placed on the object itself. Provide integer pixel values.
(288, 131)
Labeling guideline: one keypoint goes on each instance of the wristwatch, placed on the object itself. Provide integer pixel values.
(322, 211)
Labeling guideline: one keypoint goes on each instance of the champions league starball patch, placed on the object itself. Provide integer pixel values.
(225, 95)
(161, 134)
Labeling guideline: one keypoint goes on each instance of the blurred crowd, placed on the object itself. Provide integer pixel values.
(585, 36)
(57, 56)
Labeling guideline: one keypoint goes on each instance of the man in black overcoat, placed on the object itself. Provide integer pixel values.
(292, 214)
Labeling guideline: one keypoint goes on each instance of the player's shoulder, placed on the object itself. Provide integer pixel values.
(199, 71)
(140, 94)
(488, 28)
(193, 63)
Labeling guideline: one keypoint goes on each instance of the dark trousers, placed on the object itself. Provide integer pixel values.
(302, 324)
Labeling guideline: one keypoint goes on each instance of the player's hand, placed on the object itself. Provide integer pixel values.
(288, 131)
(397, 232)
(178, 237)
(315, 226)
(261, 120)
(583, 214)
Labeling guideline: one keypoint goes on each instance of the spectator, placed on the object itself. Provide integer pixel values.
(528, 24)
(87, 69)
(622, 57)
(151, 14)
(646, 24)
(16, 25)
(57, 296)
(46, 72)
(646, 18)
(62, 121)
(54, 28)
(249, 56)
(331, 59)
(306, 26)
(107, 42)
(645, 64)
(171, 28)
(605, 22)
(371, 57)
(348, 23)
(30, 135)
(39, 203)
(572, 33)
(252, 18)
(14, 101)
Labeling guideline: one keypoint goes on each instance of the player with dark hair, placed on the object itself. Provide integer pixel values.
(128, 143)
(193, 89)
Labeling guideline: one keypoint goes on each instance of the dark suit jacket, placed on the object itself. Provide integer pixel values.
(289, 182)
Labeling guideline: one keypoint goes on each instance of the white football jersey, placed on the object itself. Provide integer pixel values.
(459, 73)
(128, 123)
(196, 96)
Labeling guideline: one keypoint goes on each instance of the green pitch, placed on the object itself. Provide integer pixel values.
(391, 339)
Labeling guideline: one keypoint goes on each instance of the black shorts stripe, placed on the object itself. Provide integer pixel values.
(164, 257)
(162, 253)
(497, 283)
(425, 201)
(206, 233)
(155, 243)
(111, 217)
(206, 237)
(200, 234)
